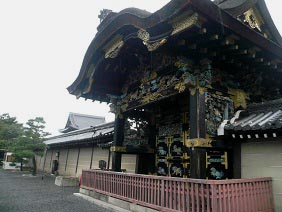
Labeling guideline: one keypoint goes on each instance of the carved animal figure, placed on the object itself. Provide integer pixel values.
(161, 171)
(177, 150)
(161, 150)
(217, 174)
(176, 171)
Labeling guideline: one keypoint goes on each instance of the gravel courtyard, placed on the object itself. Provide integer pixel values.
(21, 192)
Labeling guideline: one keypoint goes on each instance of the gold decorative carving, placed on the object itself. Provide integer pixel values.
(252, 19)
(152, 76)
(199, 88)
(198, 142)
(239, 97)
(192, 91)
(118, 149)
(150, 97)
(185, 23)
(143, 35)
(153, 46)
(180, 87)
(202, 90)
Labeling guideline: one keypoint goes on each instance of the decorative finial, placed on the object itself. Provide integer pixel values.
(103, 14)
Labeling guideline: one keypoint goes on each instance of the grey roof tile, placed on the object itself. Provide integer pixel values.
(260, 116)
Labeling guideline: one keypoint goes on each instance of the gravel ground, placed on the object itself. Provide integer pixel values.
(21, 192)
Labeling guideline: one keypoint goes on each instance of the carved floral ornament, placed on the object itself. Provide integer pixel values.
(145, 37)
(180, 25)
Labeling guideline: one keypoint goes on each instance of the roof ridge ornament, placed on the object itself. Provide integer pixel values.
(103, 14)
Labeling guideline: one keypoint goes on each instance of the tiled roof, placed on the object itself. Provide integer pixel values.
(91, 133)
(260, 116)
(78, 121)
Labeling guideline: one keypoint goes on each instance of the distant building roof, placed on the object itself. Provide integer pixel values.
(257, 119)
(78, 121)
(88, 134)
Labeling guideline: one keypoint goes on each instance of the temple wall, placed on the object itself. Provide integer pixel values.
(264, 159)
(99, 154)
(72, 160)
(128, 162)
(67, 160)
(62, 161)
(48, 162)
(84, 160)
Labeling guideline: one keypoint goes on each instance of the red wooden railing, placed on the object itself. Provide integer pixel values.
(179, 194)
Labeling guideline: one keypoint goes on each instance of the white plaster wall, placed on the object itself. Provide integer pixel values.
(62, 161)
(71, 162)
(84, 160)
(99, 154)
(128, 162)
(264, 159)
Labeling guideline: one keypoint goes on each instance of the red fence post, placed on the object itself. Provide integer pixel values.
(214, 198)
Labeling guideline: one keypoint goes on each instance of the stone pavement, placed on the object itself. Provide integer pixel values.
(21, 192)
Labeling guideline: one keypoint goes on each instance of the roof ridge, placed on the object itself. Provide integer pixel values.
(88, 129)
(86, 115)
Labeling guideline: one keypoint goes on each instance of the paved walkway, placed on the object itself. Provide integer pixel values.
(21, 192)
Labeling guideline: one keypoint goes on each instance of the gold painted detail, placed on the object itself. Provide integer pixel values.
(123, 149)
(118, 149)
(113, 52)
(223, 161)
(113, 47)
(153, 46)
(143, 35)
(198, 142)
(201, 90)
(180, 87)
(185, 23)
(152, 76)
(192, 91)
(239, 97)
(252, 19)
(151, 97)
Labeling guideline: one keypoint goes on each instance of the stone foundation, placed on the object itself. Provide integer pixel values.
(66, 181)
(116, 202)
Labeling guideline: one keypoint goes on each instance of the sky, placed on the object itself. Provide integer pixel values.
(42, 45)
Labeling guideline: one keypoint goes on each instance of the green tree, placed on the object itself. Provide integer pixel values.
(10, 130)
(30, 143)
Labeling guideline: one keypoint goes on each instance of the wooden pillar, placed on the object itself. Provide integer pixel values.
(118, 141)
(197, 130)
(77, 160)
(92, 152)
(197, 114)
(237, 160)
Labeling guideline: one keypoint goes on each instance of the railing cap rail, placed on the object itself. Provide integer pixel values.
(191, 180)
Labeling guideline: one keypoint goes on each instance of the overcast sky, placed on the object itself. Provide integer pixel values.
(42, 45)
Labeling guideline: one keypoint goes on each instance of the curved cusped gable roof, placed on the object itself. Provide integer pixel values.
(152, 29)
(239, 7)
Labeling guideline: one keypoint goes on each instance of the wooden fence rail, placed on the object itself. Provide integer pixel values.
(180, 194)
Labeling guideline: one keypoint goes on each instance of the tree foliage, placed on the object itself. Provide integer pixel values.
(10, 130)
(24, 141)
